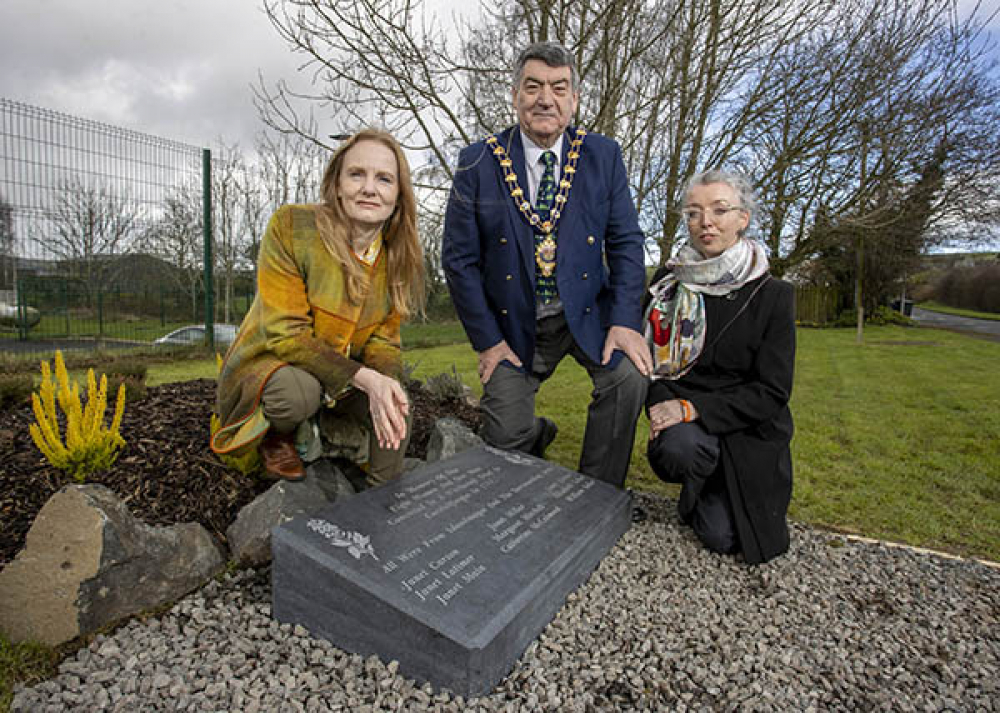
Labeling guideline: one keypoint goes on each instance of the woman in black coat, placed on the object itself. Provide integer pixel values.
(722, 333)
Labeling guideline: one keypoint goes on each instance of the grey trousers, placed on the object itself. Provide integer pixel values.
(292, 395)
(687, 454)
(508, 403)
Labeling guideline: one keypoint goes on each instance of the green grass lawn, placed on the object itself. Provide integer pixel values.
(419, 335)
(898, 438)
(199, 368)
(143, 329)
(24, 663)
(416, 334)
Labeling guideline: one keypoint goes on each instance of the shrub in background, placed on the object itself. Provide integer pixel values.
(88, 446)
(881, 316)
(130, 369)
(886, 315)
(131, 375)
(15, 389)
(444, 387)
(975, 288)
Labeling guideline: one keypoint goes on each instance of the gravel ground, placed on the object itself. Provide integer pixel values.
(661, 625)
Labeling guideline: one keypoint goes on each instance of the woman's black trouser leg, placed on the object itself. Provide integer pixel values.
(687, 454)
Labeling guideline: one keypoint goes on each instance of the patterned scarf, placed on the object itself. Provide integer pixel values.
(675, 318)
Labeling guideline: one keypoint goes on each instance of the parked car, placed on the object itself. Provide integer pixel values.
(14, 317)
(225, 334)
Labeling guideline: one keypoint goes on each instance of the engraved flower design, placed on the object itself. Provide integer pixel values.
(356, 543)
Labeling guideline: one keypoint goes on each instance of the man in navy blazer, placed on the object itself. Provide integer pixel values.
(544, 257)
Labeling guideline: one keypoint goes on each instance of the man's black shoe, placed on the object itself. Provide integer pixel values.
(638, 512)
(546, 435)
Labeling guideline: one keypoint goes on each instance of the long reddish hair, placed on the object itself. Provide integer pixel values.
(400, 240)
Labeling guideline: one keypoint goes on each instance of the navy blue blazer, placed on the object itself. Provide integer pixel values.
(488, 250)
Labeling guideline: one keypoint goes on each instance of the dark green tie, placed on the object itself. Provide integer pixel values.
(545, 285)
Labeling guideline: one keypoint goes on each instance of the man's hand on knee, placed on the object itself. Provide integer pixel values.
(632, 344)
(490, 358)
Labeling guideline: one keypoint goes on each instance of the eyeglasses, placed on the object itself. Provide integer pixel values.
(694, 215)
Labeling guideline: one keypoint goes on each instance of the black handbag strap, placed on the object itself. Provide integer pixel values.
(741, 310)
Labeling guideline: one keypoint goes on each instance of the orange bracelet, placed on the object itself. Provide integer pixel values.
(685, 410)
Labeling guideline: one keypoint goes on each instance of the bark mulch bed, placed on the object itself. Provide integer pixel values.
(166, 473)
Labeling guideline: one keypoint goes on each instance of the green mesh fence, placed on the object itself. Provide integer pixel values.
(101, 241)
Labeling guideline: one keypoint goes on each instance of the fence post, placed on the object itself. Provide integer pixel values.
(206, 207)
(22, 311)
(65, 306)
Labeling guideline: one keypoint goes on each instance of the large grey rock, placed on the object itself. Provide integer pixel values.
(453, 569)
(448, 437)
(88, 562)
(330, 478)
(250, 535)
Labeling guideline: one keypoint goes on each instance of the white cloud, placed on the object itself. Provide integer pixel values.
(181, 69)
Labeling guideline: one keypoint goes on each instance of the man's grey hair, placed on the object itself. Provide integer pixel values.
(737, 181)
(553, 54)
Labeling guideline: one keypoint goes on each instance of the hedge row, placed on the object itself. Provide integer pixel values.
(976, 288)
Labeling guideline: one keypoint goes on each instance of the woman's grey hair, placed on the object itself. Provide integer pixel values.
(737, 181)
(553, 54)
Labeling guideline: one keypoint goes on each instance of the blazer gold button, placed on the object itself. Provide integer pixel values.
(510, 277)
(590, 240)
(503, 311)
(503, 241)
(587, 311)
(584, 276)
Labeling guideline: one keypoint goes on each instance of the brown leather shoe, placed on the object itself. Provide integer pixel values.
(281, 460)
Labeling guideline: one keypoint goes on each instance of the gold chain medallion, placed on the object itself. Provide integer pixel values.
(545, 256)
(569, 172)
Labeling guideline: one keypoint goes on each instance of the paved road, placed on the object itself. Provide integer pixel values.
(968, 325)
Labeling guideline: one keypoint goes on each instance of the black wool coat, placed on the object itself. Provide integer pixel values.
(741, 385)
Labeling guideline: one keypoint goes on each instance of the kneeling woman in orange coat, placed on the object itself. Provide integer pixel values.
(334, 281)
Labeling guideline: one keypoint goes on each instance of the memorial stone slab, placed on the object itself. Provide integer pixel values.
(451, 570)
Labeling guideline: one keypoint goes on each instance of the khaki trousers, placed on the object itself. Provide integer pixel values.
(291, 395)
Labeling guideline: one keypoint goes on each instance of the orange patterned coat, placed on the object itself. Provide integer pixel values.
(303, 317)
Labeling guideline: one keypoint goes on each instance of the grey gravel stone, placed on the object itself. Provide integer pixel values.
(662, 624)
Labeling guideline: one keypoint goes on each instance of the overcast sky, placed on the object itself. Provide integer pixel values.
(181, 69)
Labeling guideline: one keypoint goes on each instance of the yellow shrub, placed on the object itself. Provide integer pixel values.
(88, 446)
